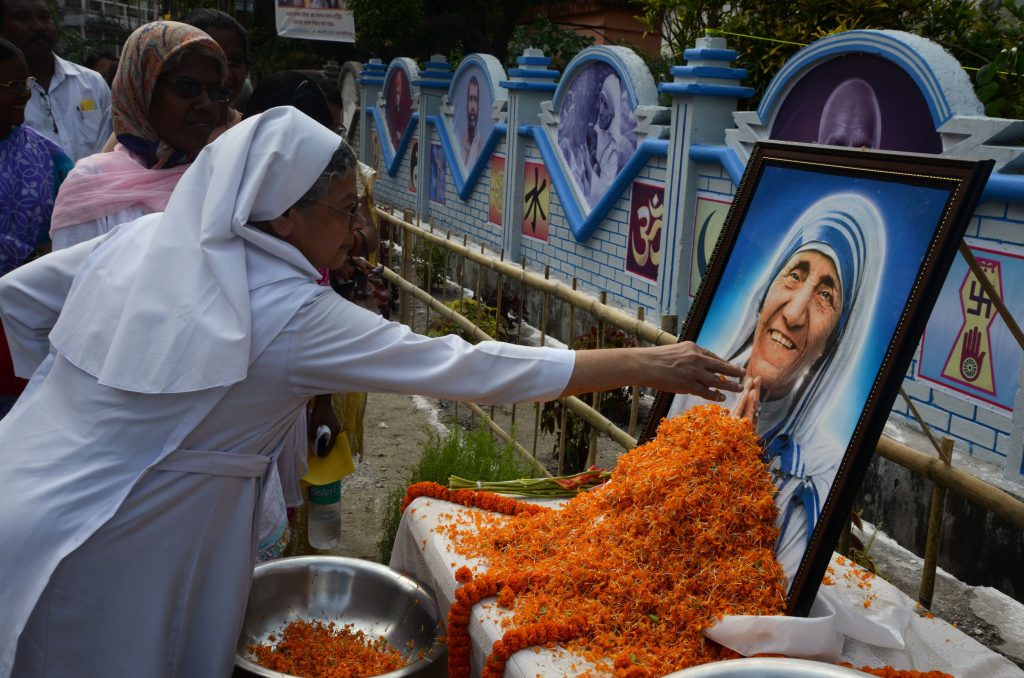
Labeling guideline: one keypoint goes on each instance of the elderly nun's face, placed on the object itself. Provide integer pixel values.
(323, 232)
(800, 313)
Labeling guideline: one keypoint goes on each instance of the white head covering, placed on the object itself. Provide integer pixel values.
(163, 305)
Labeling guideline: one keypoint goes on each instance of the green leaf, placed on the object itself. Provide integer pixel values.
(994, 108)
(984, 75)
(988, 91)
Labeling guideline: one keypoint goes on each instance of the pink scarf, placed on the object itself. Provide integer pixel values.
(107, 183)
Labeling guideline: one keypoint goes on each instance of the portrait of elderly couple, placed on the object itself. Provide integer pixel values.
(815, 289)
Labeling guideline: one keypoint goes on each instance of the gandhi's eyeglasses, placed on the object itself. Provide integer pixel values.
(351, 212)
(18, 86)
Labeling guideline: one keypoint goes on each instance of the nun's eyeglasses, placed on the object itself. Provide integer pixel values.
(190, 89)
(351, 212)
(18, 86)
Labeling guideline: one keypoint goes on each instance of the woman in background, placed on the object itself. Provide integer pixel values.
(31, 169)
(169, 94)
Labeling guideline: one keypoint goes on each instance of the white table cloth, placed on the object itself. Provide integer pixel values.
(927, 643)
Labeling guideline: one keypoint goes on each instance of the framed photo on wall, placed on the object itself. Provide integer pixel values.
(820, 284)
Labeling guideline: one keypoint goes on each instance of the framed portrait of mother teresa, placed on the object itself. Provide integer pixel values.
(820, 284)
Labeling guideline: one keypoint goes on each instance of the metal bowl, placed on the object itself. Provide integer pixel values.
(767, 667)
(372, 598)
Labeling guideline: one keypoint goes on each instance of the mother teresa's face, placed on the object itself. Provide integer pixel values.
(800, 313)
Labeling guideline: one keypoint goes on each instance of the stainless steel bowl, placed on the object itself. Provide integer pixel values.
(372, 598)
(767, 667)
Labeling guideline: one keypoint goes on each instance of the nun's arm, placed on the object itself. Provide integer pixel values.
(31, 299)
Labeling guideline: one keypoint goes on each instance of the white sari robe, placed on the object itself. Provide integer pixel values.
(127, 519)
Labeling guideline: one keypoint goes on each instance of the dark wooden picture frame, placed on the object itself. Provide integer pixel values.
(821, 282)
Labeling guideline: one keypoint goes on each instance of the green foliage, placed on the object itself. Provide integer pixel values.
(480, 314)
(430, 262)
(767, 33)
(471, 454)
(615, 404)
(561, 44)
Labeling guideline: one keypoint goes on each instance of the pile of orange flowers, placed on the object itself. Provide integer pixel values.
(682, 534)
(313, 649)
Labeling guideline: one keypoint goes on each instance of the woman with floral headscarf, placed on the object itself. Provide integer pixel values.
(798, 341)
(168, 96)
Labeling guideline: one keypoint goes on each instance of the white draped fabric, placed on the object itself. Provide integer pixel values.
(127, 513)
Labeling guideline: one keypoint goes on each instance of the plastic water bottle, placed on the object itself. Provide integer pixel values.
(323, 519)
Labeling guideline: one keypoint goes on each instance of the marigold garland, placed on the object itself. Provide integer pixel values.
(488, 501)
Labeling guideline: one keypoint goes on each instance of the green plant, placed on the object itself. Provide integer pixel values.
(766, 33)
(430, 262)
(560, 44)
(996, 77)
(483, 316)
(471, 454)
(614, 404)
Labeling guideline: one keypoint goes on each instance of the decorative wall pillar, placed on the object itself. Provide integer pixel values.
(434, 81)
(371, 80)
(704, 95)
(531, 83)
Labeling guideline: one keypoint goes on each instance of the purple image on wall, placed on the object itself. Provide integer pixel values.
(596, 129)
(857, 100)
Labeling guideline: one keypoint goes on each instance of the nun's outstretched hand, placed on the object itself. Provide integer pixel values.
(680, 368)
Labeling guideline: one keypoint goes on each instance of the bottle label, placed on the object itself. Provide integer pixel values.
(325, 494)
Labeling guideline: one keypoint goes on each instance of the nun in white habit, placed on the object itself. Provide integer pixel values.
(798, 341)
(167, 361)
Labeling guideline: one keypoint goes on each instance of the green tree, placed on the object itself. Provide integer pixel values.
(561, 44)
(767, 33)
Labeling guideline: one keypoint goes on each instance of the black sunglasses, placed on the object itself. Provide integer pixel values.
(190, 89)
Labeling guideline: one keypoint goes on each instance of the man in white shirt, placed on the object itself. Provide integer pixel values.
(70, 104)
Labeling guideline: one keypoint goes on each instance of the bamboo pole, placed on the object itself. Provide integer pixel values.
(990, 290)
(1006, 506)
(634, 405)
(596, 396)
(564, 414)
(500, 432)
(612, 316)
(931, 547)
(921, 422)
(519, 329)
(543, 333)
(406, 271)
